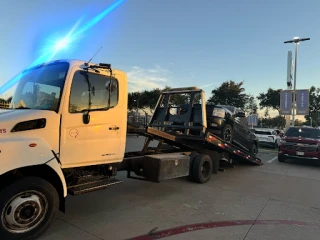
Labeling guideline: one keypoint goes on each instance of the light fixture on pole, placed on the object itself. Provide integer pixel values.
(137, 109)
(296, 41)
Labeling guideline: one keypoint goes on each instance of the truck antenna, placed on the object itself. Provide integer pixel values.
(94, 55)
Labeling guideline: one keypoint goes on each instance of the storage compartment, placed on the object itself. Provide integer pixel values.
(161, 167)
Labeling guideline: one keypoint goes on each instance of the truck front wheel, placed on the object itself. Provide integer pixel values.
(27, 207)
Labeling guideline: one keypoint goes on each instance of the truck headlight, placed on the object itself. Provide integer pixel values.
(219, 112)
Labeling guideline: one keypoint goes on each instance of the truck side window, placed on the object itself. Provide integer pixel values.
(100, 89)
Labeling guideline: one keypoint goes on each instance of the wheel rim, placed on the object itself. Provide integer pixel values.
(227, 135)
(205, 169)
(24, 212)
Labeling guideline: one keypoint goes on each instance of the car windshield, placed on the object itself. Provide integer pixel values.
(40, 87)
(230, 108)
(303, 132)
(262, 132)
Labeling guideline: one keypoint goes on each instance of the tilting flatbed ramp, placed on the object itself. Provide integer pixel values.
(198, 143)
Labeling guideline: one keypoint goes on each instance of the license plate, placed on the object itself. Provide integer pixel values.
(300, 153)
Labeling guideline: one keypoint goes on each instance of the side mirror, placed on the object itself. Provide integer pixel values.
(241, 114)
(86, 118)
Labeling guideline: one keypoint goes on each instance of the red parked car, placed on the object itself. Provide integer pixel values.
(300, 143)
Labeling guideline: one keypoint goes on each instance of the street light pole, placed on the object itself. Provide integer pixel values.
(295, 82)
(296, 41)
(137, 109)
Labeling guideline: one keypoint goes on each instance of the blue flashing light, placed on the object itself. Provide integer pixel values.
(63, 43)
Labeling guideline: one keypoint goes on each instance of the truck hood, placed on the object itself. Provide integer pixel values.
(9, 118)
(4, 111)
(301, 140)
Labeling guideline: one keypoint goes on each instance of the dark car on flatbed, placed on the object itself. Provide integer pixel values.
(230, 124)
(300, 143)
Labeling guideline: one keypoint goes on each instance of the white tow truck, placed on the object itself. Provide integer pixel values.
(65, 133)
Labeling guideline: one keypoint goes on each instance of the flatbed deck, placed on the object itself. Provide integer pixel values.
(180, 143)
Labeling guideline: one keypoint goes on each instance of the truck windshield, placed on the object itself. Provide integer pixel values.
(40, 87)
(303, 132)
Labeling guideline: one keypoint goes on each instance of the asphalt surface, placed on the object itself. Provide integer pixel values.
(273, 201)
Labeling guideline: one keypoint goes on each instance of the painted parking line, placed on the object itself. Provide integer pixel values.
(271, 160)
(267, 150)
(211, 225)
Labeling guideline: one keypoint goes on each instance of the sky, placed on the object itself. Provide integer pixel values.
(170, 42)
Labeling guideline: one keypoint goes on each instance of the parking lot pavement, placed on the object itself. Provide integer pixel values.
(272, 201)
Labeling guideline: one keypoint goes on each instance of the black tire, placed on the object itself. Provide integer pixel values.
(192, 158)
(202, 168)
(275, 145)
(227, 133)
(39, 192)
(254, 149)
(281, 158)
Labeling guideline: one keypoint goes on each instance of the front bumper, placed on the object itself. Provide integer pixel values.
(299, 155)
(266, 142)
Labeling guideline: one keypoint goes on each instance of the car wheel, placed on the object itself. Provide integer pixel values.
(227, 133)
(281, 158)
(275, 145)
(254, 149)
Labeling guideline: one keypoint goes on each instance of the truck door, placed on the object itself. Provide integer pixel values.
(99, 141)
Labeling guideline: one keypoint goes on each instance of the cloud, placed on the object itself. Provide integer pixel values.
(208, 85)
(146, 79)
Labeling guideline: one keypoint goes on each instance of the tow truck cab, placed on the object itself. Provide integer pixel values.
(64, 114)
(79, 112)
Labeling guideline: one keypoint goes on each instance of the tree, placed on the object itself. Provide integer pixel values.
(251, 105)
(133, 100)
(149, 99)
(314, 110)
(230, 93)
(276, 122)
(270, 100)
(298, 122)
(144, 100)
(183, 98)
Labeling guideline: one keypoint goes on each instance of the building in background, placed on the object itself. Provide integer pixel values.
(4, 104)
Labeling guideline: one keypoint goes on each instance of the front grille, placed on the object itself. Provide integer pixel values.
(303, 148)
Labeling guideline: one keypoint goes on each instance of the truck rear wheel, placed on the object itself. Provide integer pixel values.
(202, 168)
(192, 158)
(27, 207)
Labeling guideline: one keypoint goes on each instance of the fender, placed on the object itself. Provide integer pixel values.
(18, 152)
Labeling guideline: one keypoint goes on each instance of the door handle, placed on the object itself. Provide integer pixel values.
(114, 128)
